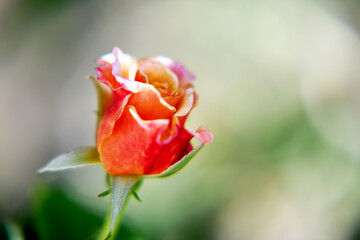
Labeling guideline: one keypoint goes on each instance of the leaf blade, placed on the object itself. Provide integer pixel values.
(79, 157)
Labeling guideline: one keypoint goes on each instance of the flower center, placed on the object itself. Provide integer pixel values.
(159, 76)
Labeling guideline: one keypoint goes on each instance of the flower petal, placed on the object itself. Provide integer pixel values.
(133, 144)
(185, 105)
(150, 105)
(204, 135)
(159, 75)
(116, 65)
(124, 65)
(173, 100)
(107, 58)
(181, 72)
(112, 114)
(105, 75)
(172, 150)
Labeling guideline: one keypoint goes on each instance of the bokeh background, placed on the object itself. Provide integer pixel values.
(279, 85)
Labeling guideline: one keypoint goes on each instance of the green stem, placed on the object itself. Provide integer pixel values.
(120, 188)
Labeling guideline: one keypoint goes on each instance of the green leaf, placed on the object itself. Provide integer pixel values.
(13, 230)
(83, 156)
(180, 164)
(121, 186)
(104, 193)
(136, 195)
(57, 215)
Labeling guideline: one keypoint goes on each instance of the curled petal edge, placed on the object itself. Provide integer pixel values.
(124, 64)
(180, 71)
(136, 87)
(111, 118)
(187, 103)
(204, 135)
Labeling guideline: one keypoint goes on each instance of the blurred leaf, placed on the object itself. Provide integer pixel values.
(180, 164)
(77, 158)
(56, 216)
(13, 230)
(104, 193)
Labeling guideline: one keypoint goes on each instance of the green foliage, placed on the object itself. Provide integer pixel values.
(57, 213)
(56, 216)
(13, 230)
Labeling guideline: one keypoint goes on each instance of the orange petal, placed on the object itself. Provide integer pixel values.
(173, 100)
(159, 75)
(186, 104)
(133, 144)
(112, 114)
(150, 105)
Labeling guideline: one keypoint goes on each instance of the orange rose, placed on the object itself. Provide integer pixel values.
(141, 130)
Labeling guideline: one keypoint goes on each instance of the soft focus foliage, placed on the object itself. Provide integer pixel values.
(279, 87)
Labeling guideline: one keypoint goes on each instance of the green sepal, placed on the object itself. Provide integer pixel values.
(104, 193)
(136, 187)
(108, 180)
(136, 195)
(180, 164)
(138, 184)
(80, 157)
(104, 94)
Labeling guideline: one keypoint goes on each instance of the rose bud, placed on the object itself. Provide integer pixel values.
(141, 127)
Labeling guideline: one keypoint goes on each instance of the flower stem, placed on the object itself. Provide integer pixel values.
(120, 188)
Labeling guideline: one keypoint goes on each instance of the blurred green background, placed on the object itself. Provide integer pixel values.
(279, 85)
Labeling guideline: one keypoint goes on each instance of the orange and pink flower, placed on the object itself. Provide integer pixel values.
(141, 130)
